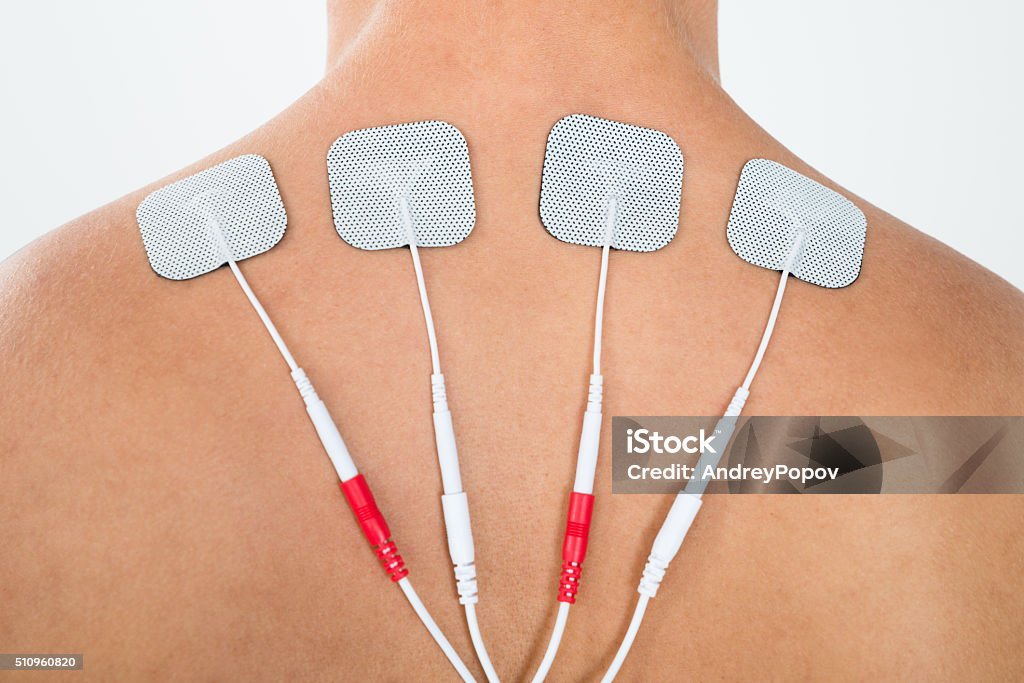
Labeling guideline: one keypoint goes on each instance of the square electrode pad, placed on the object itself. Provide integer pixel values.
(774, 204)
(593, 166)
(239, 197)
(422, 166)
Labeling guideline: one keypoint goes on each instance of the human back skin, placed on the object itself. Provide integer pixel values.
(167, 510)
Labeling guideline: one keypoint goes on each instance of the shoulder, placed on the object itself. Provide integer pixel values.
(64, 301)
(923, 330)
(83, 283)
(952, 330)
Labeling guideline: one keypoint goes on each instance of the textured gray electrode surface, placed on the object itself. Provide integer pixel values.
(424, 165)
(592, 166)
(774, 203)
(238, 196)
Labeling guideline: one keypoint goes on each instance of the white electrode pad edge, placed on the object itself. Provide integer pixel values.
(380, 177)
(240, 195)
(776, 207)
(592, 165)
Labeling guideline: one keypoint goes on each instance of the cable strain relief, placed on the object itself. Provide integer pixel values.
(392, 562)
(569, 585)
(654, 572)
(668, 541)
(305, 387)
(440, 393)
(465, 583)
(595, 393)
(739, 399)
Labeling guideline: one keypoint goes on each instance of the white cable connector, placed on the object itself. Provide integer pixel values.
(675, 527)
(454, 501)
(352, 484)
(458, 528)
(735, 407)
(668, 541)
(590, 438)
(460, 545)
(444, 437)
(687, 503)
(328, 432)
(338, 452)
(723, 432)
(665, 548)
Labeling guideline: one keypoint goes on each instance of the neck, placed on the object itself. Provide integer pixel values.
(546, 39)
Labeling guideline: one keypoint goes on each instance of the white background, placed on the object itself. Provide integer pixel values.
(914, 104)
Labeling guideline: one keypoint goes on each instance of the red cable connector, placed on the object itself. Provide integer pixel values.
(574, 547)
(375, 528)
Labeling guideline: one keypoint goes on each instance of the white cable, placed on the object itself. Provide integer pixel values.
(478, 644)
(435, 631)
(556, 640)
(627, 642)
(685, 508)
(791, 260)
(326, 429)
(590, 437)
(769, 328)
(664, 549)
(454, 501)
(687, 503)
(599, 315)
(603, 282)
(267, 322)
(213, 228)
(435, 358)
(331, 439)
